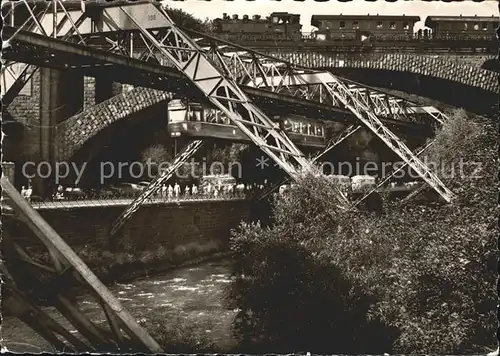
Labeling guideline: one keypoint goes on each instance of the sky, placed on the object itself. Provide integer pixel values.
(215, 8)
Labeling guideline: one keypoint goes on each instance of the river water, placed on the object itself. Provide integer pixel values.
(189, 300)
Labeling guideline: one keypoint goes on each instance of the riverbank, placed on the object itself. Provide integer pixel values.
(183, 309)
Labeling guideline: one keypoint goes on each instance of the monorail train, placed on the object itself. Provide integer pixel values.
(194, 120)
(282, 26)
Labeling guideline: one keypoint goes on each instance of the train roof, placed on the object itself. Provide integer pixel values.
(316, 18)
(431, 20)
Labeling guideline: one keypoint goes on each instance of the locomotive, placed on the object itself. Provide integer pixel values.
(277, 26)
(283, 26)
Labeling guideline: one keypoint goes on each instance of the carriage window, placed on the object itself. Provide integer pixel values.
(310, 130)
(406, 25)
(296, 127)
(476, 26)
(379, 24)
(485, 26)
(392, 25)
(319, 130)
(342, 24)
(355, 25)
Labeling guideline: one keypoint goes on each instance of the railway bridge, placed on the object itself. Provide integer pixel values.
(61, 44)
(90, 104)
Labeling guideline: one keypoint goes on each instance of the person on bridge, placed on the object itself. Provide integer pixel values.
(59, 193)
(23, 192)
(164, 191)
(186, 191)
(240, 188)
(29, 192)
(177, 190)
(216, 192)
(170, 191)
(194, 190)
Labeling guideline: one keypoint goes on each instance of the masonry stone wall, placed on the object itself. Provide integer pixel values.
(453, 69)
(26, 110)
(88, 92)
(73, 133)
(168, 225)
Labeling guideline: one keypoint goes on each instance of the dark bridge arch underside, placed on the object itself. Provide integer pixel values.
(119, 144)
(411, 73)
(473, 99)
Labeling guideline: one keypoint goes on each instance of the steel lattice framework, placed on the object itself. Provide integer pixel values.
(42, 18)
(333, 142)
(222, 92)
(217, 73)
(217, 68)
(123, 334)
(364, 102)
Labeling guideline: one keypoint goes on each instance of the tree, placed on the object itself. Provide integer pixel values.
(417, 279)
(188, 21)
(155, 156)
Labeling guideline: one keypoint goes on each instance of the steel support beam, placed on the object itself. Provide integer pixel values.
(332, 143)
(220, 89)
(63, 257)
(53, 53)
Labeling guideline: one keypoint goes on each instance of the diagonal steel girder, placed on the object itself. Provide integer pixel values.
(364, 102)
(261, 70)
(124, 332)
(332, 143)
(221, 91)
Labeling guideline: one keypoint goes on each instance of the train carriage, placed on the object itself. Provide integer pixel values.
(358, 27)
(462, 27)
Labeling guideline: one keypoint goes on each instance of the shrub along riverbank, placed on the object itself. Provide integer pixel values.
(415, 279)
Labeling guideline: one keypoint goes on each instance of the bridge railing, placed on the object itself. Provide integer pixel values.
(313, 36)
(95, 200)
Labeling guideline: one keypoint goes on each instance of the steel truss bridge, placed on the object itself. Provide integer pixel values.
(98, 38)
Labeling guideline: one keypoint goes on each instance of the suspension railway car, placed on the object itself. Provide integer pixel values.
(193, 120)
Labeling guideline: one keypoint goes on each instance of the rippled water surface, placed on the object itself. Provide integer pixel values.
(192, 294)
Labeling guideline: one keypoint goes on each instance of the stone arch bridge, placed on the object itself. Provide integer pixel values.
(462, 72)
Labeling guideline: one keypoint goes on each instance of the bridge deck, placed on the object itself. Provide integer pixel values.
(96, 203)
(31, 48)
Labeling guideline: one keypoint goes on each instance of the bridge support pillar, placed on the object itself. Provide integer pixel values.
(61, 96)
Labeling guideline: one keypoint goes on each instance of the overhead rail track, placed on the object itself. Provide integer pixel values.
(62, 24)
(365, 103)
(221, 90)
(217, 73)
(53, 53)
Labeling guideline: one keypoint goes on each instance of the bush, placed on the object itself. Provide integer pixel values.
(177, 334)
(417, 279)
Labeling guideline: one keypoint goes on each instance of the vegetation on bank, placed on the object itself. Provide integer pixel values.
(415, 279)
